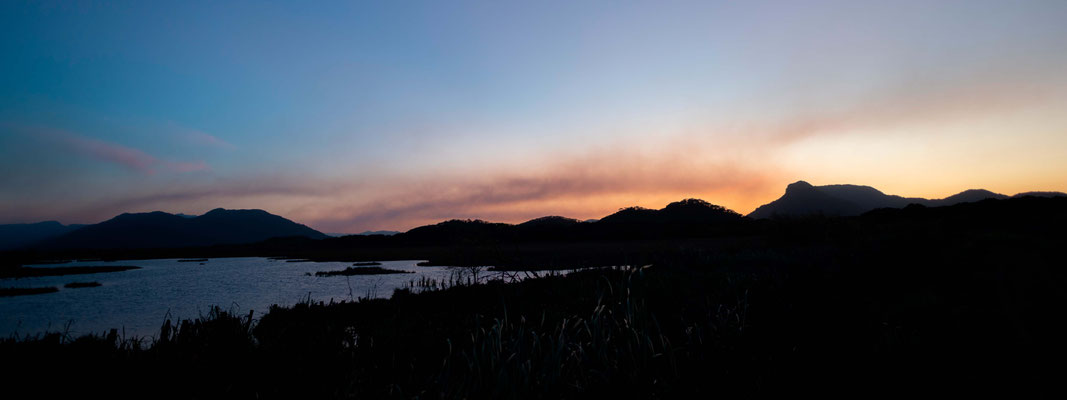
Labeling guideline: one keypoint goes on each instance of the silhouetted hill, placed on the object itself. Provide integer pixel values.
(162, 230)
(456, 231)
(686, 218)
(803, 199)
(13, 236)
(545, 228)
(689, 211)
(967, 196)
(691, 217)
(1040, 194)
(550, 221)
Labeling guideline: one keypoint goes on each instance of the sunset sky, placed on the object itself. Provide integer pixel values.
(362, 115)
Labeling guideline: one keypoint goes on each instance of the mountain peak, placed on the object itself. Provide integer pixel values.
(798, 186)
(698, 203)
(970, 195)
(221, 214)
(688, 210)
(803, 199)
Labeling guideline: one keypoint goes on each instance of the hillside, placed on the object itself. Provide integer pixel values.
(162, 230)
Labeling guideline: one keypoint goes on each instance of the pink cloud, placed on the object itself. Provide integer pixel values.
(128, 157)
(112, 153)
(585, 186)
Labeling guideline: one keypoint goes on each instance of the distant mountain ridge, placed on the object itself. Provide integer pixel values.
(690, 217)
(804, 199)
(13, 236)
(163, 230)
(686, 218)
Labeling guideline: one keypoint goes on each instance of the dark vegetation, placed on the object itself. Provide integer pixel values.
(366, 264)
(193, 260)
(10, 292)
(921, 301)
(361, 271)
(27, 272)
(76, 285)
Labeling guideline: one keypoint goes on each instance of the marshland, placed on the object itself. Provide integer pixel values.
(889, 302)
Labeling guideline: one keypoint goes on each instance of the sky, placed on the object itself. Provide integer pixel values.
(365, 115)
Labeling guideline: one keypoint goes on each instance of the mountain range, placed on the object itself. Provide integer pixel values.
(804, 199)
(682, 218)
(679, 219)
(162, 230)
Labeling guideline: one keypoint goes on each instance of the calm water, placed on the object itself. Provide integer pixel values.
(139, 300)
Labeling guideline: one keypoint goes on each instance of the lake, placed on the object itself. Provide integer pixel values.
(140, 300)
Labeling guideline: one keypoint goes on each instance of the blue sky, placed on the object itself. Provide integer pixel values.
(385, 115)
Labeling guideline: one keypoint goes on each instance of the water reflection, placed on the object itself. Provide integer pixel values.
(138, 301)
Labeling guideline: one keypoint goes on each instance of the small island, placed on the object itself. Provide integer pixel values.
(362, 271)
(76, 285)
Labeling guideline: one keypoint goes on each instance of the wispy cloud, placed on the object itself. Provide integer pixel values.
(584, 186)
(207, 140)
(126, 157)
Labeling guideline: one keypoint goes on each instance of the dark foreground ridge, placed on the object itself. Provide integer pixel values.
(949, 301)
